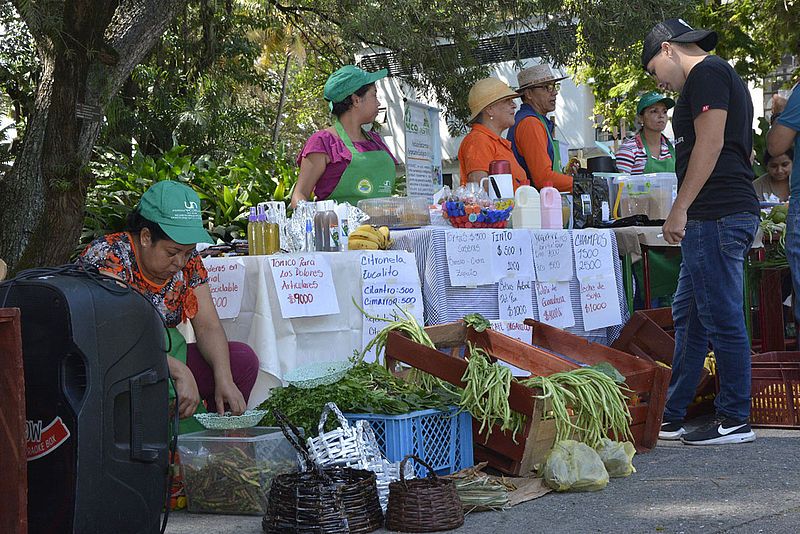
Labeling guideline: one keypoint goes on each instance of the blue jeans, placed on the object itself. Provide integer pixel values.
(708, 308)
(793, 250)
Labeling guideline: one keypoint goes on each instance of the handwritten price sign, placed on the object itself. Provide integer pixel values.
(512, 253)
(593, 257)
(552, 250)
(514, 299)
(301, 298)
(304, 285)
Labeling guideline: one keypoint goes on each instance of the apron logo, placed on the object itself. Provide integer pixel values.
(364, 186)
(42, 441)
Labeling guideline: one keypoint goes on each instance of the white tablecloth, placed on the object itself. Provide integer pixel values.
(445, 303)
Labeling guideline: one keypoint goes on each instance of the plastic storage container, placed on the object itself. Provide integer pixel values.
(648, 194)
(613, 179)
(397, 212)
(230, 471)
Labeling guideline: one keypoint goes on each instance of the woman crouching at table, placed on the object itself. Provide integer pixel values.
(157, 257)
(491, 106)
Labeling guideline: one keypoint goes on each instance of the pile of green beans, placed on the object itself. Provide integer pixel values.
(598, 403)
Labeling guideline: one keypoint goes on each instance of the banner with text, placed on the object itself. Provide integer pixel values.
(389, 286)
(423, 150)
(304, 285)
(226, 282)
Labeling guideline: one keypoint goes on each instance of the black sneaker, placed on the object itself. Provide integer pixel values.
(671, 430)
(720, 431)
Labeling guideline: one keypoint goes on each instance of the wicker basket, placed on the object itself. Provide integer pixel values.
(423, 505)
(327, 501)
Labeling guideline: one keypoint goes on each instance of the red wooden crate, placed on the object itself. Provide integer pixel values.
(646, 379)
(775, 390)
(13, 459)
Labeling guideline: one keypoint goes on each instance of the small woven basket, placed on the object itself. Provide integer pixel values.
(336, 500)
(426, 504)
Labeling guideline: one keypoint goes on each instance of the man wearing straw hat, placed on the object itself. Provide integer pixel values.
(533, 134)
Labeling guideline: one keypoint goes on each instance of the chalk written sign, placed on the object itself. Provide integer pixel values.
(519, 331)
(469, 257)
(593, 254)
(512, 253)
(555, 304)
(514, 298)
(600, 303)
(552, 251)
(226, 282)
(304, 285)
(389, 286)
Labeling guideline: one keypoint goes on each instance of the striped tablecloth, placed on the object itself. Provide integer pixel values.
(445, 303)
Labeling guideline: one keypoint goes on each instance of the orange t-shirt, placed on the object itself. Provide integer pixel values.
(480, 147)
(531, 139)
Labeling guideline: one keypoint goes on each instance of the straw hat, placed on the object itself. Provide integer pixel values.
(486, 92)
(537, 75)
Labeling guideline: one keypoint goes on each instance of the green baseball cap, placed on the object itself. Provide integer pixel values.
(651, 98)
(347, 80)
(176, 209)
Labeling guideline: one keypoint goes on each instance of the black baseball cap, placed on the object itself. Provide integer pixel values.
(677, 31)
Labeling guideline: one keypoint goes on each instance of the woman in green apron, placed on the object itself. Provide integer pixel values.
(649, 150)
(158, 258)
(344, 162)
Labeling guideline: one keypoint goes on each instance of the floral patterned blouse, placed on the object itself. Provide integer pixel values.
(175, 299)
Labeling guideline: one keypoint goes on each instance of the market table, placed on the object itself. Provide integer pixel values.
(446, 303)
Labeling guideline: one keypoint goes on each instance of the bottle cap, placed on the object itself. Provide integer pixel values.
(548, 184)
(499, 166)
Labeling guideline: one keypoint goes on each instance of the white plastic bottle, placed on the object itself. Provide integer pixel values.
(552, 215)
(527, 208)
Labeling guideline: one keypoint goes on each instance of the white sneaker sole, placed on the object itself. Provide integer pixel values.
(672, 436)
(722, 440)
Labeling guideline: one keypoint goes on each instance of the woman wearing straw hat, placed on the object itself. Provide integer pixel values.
(491, 106)
(649, 150)
(344, 162)
(533, 134)
(156, 256)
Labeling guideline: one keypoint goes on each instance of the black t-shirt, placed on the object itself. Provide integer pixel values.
(713, 84)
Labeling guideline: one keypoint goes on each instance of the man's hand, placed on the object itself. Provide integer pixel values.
(778, 104)
(226, 392)
(186, 389)
(674, 228)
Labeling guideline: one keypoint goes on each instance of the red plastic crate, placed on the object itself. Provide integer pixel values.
(776, 390)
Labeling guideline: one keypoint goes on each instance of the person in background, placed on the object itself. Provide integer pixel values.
(491, 106)
(775, 182)
(533, 135)
(714, 219)
(344, 162)
(649, 150)
(157, 257)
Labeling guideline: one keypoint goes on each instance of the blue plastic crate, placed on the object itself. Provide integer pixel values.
(441, 438)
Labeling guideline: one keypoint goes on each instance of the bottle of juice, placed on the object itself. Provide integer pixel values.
(272, 238)
(552, 217)
(261, 222)
(326, 227)
(251, 231)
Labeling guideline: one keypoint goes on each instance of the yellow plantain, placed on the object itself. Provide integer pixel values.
(375, 237)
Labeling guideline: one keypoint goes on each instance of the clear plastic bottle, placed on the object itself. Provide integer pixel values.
(261, 221)
(326, 227)
(251, 231)
(272, 236)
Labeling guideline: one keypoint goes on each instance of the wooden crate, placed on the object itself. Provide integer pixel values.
(553, 354)
(13, 459)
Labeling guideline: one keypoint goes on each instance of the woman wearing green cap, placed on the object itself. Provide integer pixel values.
(649, 150)
(344, 162)
(158, 258)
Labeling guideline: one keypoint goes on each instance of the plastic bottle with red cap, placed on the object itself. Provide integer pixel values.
(552, 217)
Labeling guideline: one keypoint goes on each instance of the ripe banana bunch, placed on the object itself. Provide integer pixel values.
(367, 237)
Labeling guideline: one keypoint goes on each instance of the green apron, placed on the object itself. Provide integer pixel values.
(178, 351)
(658, 165)
(369, 174)
(553, 142)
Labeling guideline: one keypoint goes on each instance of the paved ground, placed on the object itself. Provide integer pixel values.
(742, 489)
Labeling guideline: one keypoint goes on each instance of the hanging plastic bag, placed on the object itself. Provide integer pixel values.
(617, 457)
(574, 466)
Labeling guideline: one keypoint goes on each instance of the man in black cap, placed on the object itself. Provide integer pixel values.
(714, 218)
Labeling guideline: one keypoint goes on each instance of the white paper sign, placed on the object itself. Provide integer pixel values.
(469, 257)
(555, 304)
(512, 253)
(389, 283)
(552, 250)
(304, 285)
(600, 303)
(593, 256)
(519, 331)
(514, 298)
(226, 282)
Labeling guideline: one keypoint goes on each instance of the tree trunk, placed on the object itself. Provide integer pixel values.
(282, 101)
(85, 62)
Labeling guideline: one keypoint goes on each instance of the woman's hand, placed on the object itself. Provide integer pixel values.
(226, 393)
(185, 388)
